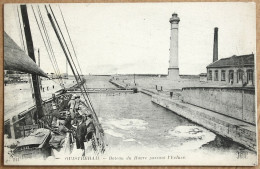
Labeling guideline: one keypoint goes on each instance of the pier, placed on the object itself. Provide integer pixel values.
(229, 112)
(101, 90)
(236, 130)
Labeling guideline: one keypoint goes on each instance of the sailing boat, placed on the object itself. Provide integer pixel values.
(45, 139)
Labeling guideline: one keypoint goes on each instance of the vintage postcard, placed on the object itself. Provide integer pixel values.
(158, 84)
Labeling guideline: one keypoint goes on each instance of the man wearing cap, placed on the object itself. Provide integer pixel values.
(81, 132)
(78, 101)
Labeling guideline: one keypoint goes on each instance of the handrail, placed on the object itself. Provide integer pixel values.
(222, 87)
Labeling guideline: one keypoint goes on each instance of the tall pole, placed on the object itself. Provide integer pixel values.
(215, 45)
(30, 49)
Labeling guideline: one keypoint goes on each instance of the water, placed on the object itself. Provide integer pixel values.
(133, 123)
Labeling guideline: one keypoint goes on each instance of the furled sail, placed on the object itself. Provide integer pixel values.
(16, 59)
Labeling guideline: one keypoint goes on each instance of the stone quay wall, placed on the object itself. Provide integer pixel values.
(238, 103)
(240, 132)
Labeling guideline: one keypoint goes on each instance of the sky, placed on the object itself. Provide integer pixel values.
(127, 38)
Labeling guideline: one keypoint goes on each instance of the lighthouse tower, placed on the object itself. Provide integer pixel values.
(173, 70)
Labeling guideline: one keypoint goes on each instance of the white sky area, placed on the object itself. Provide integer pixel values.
(135, 37)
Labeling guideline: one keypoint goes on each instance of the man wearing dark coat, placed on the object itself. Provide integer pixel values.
(81, 132)
(90, 127)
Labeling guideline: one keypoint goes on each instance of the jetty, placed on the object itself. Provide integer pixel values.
(101, 90)
(226, 111)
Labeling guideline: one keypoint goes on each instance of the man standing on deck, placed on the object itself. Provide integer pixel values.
(67, 122)
(78, 101)
(81, 132)
(90, 127)
(71, 105)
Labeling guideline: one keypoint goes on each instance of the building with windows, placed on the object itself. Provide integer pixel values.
(11, 76)
(235, 70)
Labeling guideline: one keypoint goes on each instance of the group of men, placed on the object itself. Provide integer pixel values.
(78, 121)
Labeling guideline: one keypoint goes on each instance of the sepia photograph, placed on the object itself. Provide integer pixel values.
(130, 84)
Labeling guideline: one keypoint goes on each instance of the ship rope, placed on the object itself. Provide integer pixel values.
(48, 52)
(70, 39)
(64, 41)
(50, 46)
(87, 99)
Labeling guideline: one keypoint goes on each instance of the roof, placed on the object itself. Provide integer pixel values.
(233, 61)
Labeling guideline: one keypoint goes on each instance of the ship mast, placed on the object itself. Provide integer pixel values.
(30, 49)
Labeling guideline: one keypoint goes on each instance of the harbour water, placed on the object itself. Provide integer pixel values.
(134, 124)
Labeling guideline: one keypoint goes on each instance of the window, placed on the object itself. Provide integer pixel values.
(223, 75)
(240, 75)
(231, 76)
(210, 75)
(249, 75)
(216, 75)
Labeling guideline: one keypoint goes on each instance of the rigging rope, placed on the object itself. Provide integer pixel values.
(50, 46)
(70, 40)
(48, 41)
(64, 50)
(59, 83)
(43, 39)
(64, 40)
(70, 54)
(66, 44)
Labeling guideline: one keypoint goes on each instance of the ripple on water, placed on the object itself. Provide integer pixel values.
(113, 133)
(191, 137)
(127, 124)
